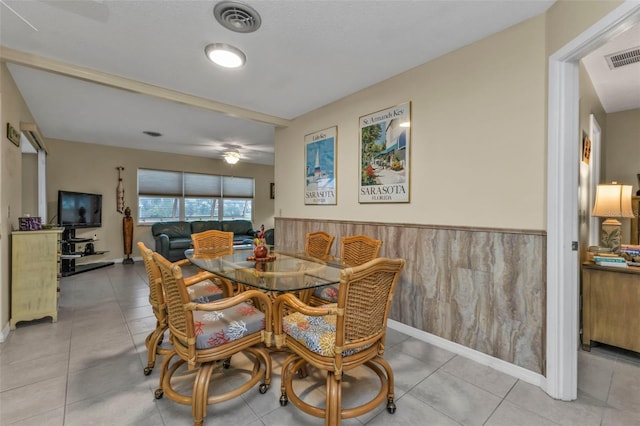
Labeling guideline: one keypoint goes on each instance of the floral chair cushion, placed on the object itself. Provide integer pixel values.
(318, 334)
(215, 328)
(204, 292)
(328, 293)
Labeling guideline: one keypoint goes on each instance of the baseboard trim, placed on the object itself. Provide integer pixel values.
(479, 357)
(5, 333)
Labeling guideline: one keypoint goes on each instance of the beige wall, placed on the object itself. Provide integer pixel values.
(30, 185)
(477, 139)
(622, 148)
(478, 133)
(91, 168)
(567, 19)
(13, 110)
(589, 104)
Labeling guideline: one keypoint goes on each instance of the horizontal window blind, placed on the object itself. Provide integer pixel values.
(159, 182)
(178, 184)
(237, 187)
(201, 185)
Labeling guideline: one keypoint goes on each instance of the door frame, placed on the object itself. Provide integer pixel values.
(562, 338)
(595, 134)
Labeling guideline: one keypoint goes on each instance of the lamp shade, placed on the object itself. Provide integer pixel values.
(613, 200)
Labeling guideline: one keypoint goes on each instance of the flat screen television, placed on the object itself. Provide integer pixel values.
(79, 209)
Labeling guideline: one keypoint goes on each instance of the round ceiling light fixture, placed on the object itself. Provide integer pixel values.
(225, 55)
(232, 157)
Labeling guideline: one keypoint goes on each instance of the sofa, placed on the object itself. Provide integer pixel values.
(173, 238)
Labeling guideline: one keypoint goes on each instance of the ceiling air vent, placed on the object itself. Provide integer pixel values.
(237, 16)
(626, 57)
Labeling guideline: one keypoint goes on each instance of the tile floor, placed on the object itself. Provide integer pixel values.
(86, 369)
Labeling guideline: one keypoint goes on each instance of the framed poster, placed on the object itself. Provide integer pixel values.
(320, 167)
(385, 139)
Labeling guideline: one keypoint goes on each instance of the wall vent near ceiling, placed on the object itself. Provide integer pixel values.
(626, 57)
(237, 16)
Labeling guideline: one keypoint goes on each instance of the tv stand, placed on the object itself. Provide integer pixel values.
(69, 255)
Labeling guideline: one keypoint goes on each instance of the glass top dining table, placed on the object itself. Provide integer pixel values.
(286, 270)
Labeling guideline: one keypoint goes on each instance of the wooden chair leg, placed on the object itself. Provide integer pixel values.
(391, 406)
(163, 371)
(200, 391)
(151, 342)
(333, 405)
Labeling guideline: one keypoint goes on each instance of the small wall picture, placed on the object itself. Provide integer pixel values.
(320, 166)
(13, 135)
(272, 191)
(586, 149)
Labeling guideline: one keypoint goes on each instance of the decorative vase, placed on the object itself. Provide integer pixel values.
(260, 252)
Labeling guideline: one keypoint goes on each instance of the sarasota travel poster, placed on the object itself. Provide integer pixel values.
(320, 167)
(384, 155)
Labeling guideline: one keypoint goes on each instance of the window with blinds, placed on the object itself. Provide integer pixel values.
(169, 195)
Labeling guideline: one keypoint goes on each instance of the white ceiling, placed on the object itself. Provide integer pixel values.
(618, 88)
(305, 55)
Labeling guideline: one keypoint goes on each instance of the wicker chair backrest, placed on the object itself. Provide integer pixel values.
(318, 244)
(365, 295)
(156, 295)
(180, 321)
(215, 243)
(359, 249)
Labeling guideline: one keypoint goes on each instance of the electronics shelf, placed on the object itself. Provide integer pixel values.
(69, 254)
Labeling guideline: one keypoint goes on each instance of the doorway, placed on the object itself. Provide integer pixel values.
(562, 199)
(34, 172)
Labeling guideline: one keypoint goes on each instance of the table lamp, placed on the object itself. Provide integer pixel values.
(612, 201)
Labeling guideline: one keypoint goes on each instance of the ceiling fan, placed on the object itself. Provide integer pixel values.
(232, 152)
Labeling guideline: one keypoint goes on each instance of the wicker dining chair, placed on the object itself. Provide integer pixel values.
(354, 251)
(318, 244)
(201, 286)
(213, 242)
(339, 337)
(205, 335)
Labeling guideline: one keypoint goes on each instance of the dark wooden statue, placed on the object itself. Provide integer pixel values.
(127, 233)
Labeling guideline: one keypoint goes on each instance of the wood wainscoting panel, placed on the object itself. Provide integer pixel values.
(481, 288)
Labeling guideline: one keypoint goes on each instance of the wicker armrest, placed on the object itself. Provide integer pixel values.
(182, 262)
(260, 300)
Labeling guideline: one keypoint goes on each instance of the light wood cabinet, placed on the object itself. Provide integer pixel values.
(35, 277)
(611, 306)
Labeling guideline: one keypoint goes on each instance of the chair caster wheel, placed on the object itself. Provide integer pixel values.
(226, 364)
(148, 370)
(263, 388)
(158, 394)
(391, 406)
(283, 400)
